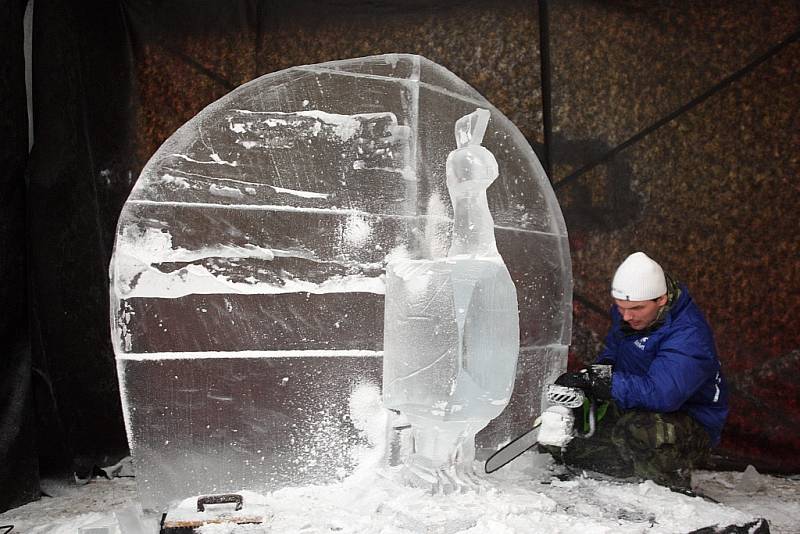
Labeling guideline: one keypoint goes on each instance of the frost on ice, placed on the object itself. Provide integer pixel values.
(249, 272)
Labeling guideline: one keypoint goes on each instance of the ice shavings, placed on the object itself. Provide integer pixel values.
(223, 191)
(281, 130)
(175, 180)
(409, 174)
(215, 160)
(515, 500)
(183, 179)
(195, 279)
(326, 444)
(357, 230)
(303, 194)
(148, 266)
(406, 172)
(370, 419)
(244, 354)
(345, 126)
(518, 501)
(152, 245)
(122, 319)
(371, 140)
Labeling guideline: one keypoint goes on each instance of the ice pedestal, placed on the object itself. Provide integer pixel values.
(250, 263)
(451, 329)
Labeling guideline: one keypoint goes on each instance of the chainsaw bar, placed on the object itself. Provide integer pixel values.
(556, 396)
(513, 449)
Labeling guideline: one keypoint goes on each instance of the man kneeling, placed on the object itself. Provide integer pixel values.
(662, 398)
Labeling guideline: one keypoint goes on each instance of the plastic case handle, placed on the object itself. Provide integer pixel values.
(228, 498)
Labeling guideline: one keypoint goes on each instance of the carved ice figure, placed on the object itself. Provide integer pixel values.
(451, 326)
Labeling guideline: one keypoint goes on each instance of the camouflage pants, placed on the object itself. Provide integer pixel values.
(663, 447)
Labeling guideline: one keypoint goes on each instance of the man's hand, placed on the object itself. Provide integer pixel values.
(577, 380)
(595, 380)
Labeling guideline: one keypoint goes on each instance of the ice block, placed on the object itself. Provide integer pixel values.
(249, 271)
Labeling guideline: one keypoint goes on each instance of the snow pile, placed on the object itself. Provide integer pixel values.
(521, 498)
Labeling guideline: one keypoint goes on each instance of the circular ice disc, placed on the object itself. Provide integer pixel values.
(248, 274)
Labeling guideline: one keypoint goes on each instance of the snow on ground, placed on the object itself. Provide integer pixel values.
(775, 498)
(523, 497)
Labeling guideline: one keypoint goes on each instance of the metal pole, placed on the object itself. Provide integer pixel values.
(544, 58)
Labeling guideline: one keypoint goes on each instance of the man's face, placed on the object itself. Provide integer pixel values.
(640, 314)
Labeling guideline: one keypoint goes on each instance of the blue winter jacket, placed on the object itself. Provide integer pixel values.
(671, 368)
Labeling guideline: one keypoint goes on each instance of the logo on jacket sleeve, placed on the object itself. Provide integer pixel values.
(640, 343)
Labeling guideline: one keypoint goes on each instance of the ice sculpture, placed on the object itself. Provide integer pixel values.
(451, 329)
(248, 275)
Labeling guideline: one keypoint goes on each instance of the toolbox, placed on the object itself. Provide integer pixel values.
(238, 508)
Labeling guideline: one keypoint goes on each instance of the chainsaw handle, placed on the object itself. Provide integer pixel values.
(227, 498)
(592, 422)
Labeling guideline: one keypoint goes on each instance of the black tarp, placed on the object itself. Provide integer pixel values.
(19, 480)
(78, 180)
(55, 336)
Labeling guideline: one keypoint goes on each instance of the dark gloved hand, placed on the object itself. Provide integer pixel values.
(576, 380)
(595, 380)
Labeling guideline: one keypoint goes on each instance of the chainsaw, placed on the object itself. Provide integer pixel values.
(555, 427)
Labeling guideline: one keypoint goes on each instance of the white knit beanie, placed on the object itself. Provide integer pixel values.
(638, 278)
